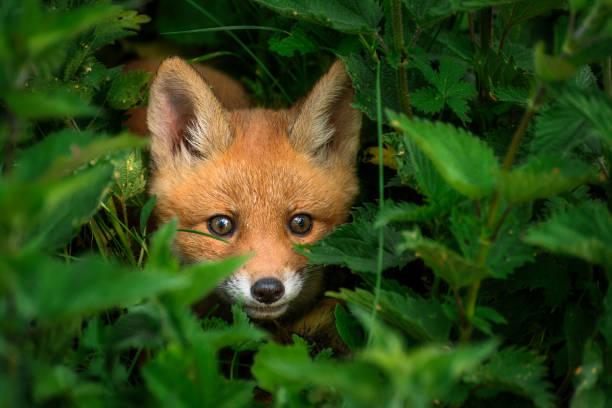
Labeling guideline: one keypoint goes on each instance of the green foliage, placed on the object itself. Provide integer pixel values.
(481, 275)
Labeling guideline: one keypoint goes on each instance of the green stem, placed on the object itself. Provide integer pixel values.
(607, 75)
(381, 199)
(401, 75)
(490, 231)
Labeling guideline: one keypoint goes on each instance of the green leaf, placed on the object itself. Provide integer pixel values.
(43, 104)
(342, 15)
(204, 277)
(140, 326)
(596, 109)
(552, 69)
(515, 370)
(426, 13)
(145, 213)
(519, 96)
(348, 328)
(427, 100)
(128, 90)
(463, 160)
(558, 130)
(121, 24)
(50, 290)
(543, 177)
(587, 395)
(584, 231)
(129, 175)
(363, 74)
(189, 377)
(68, 204)
(422, 319)
(355, 245)
(407, 212)
(520, 11)
(160, 256)
(298, 41)
(446, 263)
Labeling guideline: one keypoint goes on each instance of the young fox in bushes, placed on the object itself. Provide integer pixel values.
(260, 179)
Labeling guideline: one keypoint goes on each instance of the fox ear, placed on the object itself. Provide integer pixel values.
(325, 123)
(185, 119)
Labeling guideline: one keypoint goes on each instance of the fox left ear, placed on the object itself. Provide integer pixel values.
(325, 124)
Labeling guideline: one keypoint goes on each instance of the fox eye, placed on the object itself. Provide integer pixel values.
(300, 224)
(220, 225)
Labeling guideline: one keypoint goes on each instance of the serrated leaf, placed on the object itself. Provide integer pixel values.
(595, 108)
(427, 100)
(348, 328)
(204, 277)
(140, 326)
(520, 11)
(519, 96)
(587, 395)
(363, 75)
(463, 160)
(43, 285)
(515, 370)
(446, 263)
(120, 24)
(426, 13)
(355, 245)
(41, 104)
(406, 212)
(189, 377)
(542, 177)
(422, 319)
(558, 130)
(298, 41)
(584, 231)
(550, 68)
(343, 15)
(129, 175)
(69, 204)
(127, 90)
(145, 213)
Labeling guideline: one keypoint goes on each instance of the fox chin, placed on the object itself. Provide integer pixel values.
(260, 179)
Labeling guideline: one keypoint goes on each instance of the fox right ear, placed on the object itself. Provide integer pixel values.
(184, 118)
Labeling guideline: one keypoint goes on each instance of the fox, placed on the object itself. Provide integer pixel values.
(262, 180)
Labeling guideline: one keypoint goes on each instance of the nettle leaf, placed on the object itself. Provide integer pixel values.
(363, 74)
(455, 269)
(349, 329)
(69, 204)
(519, 96)
(587, 394)
(558, 130)
(595, 108)
(50, 290)
(426, 13)
(463, 160)
(189, 377)
(49, 103)
(550, 68)
(298, 40)
(422, 319)
(520, 11)
(542, 177)
(129, 175)
(427, 100)
(121, 24)
(355, 245)
(127, 90)
(515, 370)
(281, 369)
(357, 17)
(403, 211)
(448, 88)
(583, 231)
(506, 253)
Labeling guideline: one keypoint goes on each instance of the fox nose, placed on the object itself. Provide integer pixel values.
(268, 290)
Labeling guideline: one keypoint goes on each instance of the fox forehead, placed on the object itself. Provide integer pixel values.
(260, 177)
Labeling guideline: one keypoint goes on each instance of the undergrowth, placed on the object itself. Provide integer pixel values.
(481, 245)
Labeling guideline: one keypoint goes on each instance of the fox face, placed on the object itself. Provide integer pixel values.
(259, 179)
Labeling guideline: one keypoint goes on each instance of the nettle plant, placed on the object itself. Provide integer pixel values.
(492, 127)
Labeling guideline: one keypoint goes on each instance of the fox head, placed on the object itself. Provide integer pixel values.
(260, 179)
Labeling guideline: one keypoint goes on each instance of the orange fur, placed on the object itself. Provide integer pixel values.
(259, 167)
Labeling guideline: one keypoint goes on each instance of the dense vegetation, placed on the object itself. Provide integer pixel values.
(481, 245)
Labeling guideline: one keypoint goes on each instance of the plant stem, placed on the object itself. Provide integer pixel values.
(606, 71)
(381, 199)
(401, 76)
(489, 233)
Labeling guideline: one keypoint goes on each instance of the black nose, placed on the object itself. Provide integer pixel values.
(268, 290)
